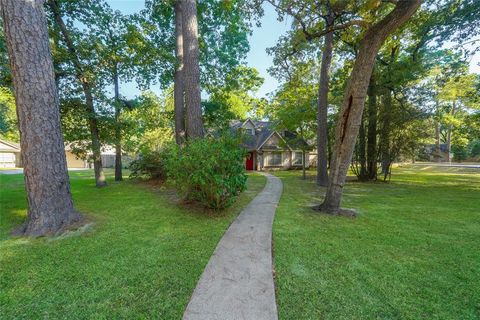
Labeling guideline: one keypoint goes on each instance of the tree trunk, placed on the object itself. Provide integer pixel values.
(87, 90)
(449, 135)
(437, 154)
(354, 99)
(50, 205)
(100, 180)
(118, 128)
(178, 95)
(322, 111)
(304, 169)
(385, 134)
(361, 152)
(449, 143)
(191, 71)
(372, 131)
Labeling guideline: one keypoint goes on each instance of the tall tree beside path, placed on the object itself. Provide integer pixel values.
(350, 115)
(191, 71)
(50, 205)
(87, 88)
(322, 107)
(214, 33)
(315, 20)
(178, 94)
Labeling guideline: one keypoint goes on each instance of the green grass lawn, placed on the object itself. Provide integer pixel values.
(141, 259)
(412, 253)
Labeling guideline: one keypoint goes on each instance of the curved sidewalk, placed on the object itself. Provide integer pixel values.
(237, 282)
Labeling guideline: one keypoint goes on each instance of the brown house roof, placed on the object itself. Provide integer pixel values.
(263, 131)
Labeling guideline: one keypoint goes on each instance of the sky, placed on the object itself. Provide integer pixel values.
(261, 39)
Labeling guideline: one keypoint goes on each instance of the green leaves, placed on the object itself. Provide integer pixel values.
(295, 103)
(235, 99)
(8, 117)
(209, 171)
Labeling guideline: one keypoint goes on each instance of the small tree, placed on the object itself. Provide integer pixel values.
(85, 78)
(459, 93)
(294, 107)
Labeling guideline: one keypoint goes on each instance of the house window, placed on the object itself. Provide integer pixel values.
(7, 157)
(297, 159)
(274, 159)
(250, 131)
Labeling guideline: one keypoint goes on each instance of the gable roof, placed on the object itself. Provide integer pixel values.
(249, 120)
(295, 142)
(263, 131)
(432, 147)
(9, 146)
(280, 136)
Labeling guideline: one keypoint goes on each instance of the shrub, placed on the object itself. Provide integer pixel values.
(460, 152)
(475, 148)
(209, 170)
(150, 165)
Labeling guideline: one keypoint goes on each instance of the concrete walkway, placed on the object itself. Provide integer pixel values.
(449, 165)
(238, 281)
(11, 171)
(20, 170)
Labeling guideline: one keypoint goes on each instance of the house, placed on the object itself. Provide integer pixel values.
(430, 153)
(9, 154)
(107, 154)
(73, 161)
(269, 148)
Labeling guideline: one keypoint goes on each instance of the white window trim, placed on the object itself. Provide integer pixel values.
(294, 163)
(269, 157)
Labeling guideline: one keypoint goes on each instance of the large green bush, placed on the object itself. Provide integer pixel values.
(150, 165)
(209, 170)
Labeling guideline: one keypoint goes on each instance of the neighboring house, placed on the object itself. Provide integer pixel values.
(9, 154)
(72, 160)
(269, 148)
(430, 153)
(107, 153)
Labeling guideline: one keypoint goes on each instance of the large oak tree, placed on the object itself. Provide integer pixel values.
(314, 21)
(350, 115)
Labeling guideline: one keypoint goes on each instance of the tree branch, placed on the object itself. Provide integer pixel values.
(313, 35)
(361, 23)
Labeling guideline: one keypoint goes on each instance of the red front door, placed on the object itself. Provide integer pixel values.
(249, 161)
